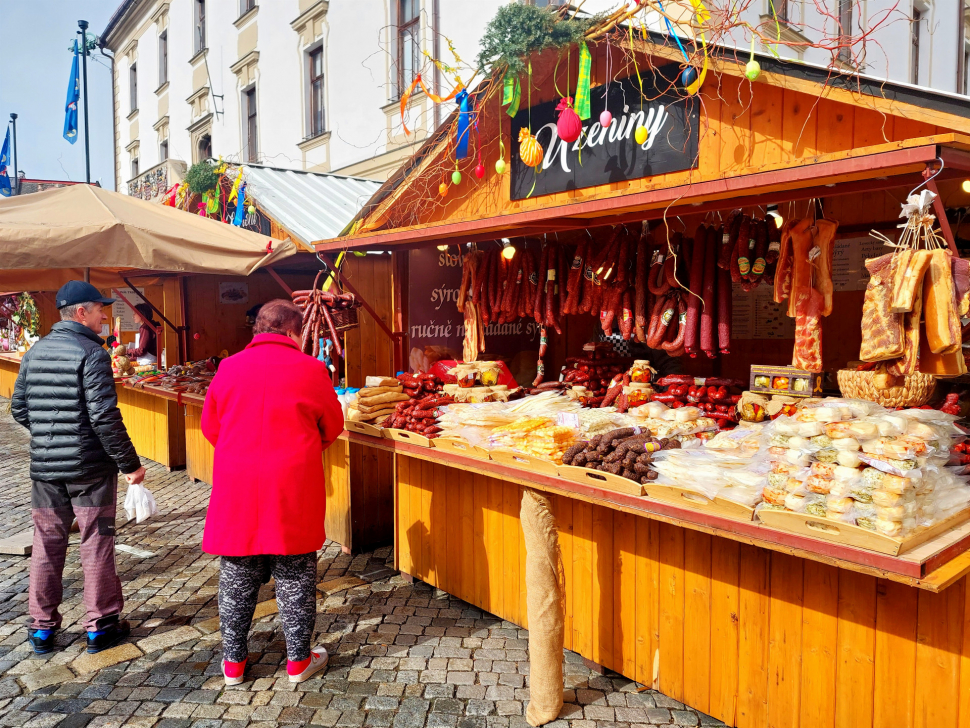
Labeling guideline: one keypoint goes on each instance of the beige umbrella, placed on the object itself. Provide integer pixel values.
(54, 235)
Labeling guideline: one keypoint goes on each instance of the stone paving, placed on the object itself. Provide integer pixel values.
(402, 655)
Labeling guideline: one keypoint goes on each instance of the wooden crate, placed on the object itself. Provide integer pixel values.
(411, 438)
(362, 428)
(845, 533)
(459, 446)
(521, 460)
(692, 499)
(600, 479)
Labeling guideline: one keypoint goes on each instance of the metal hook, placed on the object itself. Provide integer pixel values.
(928, 179)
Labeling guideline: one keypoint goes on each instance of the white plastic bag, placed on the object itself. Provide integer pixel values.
(139, 503)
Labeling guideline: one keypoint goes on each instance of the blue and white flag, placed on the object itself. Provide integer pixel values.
(4, 161)
(73, 93)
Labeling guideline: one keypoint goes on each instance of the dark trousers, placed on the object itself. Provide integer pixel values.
(53, 507)
(240, 578)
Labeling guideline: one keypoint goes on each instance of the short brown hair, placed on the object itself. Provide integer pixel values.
(278, 317)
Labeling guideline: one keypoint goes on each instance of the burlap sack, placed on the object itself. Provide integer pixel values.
(544, 582)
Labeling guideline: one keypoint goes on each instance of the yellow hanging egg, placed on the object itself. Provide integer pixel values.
(530, 151)
(641, 134)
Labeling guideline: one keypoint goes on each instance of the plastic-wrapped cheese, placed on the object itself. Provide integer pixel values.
(848, 458)
(810, 429)
(845, 474)
(887, 499)
(890, 425)
(862, 430)
(827, 414)
(846, 444)
(796, 457)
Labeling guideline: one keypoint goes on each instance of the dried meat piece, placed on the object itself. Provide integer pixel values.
(908, 363)
(882, 330)
(943, 333)
(908, 270)
(961, 282)
(825, 240)
(808, 329)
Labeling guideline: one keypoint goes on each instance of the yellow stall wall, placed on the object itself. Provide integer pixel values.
(753, 637)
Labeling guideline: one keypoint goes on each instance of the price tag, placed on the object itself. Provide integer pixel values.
(568, 419)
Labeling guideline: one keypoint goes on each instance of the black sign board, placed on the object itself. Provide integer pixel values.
(611, 154)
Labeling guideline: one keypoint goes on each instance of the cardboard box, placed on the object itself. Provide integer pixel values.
(785, 380)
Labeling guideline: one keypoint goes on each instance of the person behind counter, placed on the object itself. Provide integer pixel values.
(147, 350)
(270, 412)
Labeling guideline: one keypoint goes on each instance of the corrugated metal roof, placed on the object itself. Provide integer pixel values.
(311, 206)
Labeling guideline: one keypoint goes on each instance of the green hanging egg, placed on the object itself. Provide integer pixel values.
(752, 70)
(641, 134)
(251, 209)
(456, 177)
(500, 166)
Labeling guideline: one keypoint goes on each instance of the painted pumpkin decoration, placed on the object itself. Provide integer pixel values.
(569, 126)
(530, 151)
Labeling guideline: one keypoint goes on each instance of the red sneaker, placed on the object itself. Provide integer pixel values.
(300, 671)
(234, 672)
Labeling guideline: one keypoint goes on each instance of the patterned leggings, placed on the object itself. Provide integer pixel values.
(240, 578)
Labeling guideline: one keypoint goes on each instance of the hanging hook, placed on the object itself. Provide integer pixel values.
(927, 179)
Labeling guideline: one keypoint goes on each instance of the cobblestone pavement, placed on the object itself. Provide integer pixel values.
(402, 655)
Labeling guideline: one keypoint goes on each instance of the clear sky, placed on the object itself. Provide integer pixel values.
(36, 38)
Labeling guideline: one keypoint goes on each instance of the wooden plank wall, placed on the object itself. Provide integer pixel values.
(199, 454)
(753, 637)
(8, 375)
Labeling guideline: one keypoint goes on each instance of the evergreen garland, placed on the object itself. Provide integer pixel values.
(201, 177)
(27, 316)
(517, 31)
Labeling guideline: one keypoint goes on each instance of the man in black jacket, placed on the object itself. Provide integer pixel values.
(65, 395)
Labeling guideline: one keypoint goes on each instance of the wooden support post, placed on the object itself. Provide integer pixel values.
(940, 211)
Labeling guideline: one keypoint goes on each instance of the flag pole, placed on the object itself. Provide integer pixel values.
(16, 159)
(83, 32)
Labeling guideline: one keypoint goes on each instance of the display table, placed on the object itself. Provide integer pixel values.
(359, 482)
(9, 369)
(749, 624)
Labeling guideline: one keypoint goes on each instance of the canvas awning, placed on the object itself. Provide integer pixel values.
(55, 235)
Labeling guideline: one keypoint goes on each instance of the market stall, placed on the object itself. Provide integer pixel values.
(775, 534)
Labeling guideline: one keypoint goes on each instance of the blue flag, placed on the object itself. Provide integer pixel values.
(4, 161)
(73, 93)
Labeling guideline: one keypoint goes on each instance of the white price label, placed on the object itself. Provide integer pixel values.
(568, 419)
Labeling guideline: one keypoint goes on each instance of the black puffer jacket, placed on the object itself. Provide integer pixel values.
(65, 395)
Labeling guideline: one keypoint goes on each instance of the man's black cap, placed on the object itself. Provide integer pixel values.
(74, 292)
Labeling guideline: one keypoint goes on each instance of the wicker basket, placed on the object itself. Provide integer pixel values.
(345, 319)
(915, 390)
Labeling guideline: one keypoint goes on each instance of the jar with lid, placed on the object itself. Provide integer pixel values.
(640, 372)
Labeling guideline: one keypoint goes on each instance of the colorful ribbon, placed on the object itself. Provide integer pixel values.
(464, 116)
(434, 97)
(237, 219)
(512, 95)
(702, 15)
(582, 84)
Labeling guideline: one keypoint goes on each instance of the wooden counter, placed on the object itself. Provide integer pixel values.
(754, 628)
(359, 481)
(155, 425)
(9, 369)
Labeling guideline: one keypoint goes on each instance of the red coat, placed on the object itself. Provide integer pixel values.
(270, 413)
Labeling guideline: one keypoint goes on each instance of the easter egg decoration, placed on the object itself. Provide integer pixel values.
(530, 151)
(480, 170)
(456, 177)
(443, 189)
(688, 76)
(641, 134)
(606, 118)
(752, 70)
(569, 126)
(500, 166)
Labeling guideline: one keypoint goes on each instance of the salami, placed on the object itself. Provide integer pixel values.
(740, 264)
(551, 300)
(564, 266)
(623, 257)
(664, 312)
(574, 283)
(729, 240)
(674, 341)
(758, 262)
(724, 311)
(526, 295)
(786, 263)
(626, 314)
(538, 302)
(695, 284)
(774, 241)
(707, 291)
(640, 290)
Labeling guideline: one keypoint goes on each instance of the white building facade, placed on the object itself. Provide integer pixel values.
(315, 85)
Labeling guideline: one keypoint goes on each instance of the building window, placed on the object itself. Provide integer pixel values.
(845, 31)
(204, 148)
(134, 167)
(316, 92)
(249, 106)
(163, 58)
(245, 6)
(966, 70)
(163, 150)
(133, 86)
(781, 9)
(199, 32)
(914, 33)
(408, 43)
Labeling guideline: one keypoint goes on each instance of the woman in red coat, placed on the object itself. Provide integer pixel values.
(270, 413)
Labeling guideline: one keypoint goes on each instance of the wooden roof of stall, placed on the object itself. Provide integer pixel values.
(797, 132)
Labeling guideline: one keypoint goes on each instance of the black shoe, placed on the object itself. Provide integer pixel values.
(42, 645)
(108, 637)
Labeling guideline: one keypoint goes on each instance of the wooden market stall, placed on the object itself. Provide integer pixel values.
(754, 625)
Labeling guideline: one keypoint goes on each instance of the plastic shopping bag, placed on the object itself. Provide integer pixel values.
(139, 503)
